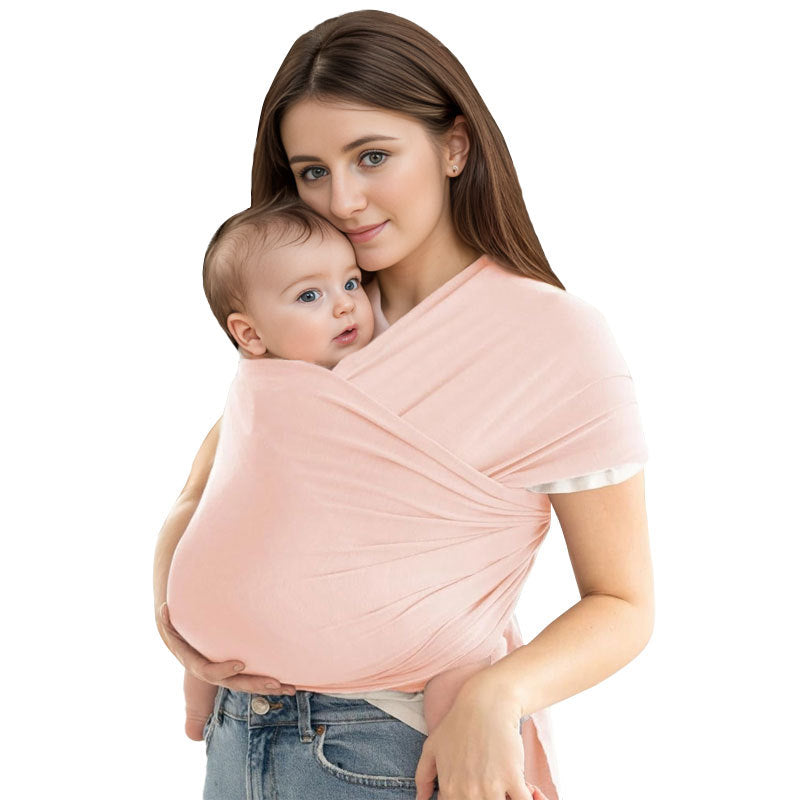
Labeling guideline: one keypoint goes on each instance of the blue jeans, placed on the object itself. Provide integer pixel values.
(308, 746)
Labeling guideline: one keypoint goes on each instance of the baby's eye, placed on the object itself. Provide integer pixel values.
(305, 294)
(354, 281)
(312, 174)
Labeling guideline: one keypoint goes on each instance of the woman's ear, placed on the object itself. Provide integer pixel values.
(456, 146)
(246, 335)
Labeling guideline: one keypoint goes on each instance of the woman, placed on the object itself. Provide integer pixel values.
(376, 126)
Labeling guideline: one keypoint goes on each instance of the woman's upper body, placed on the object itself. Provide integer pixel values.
(354, 574)
(396, 510)
(378, 128)
(401, 509)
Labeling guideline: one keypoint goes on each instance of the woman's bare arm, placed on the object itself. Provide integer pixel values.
(607, 539)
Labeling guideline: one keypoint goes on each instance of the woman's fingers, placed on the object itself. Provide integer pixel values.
(425, 774)
(221, 673)
(536, 792)
(257, 684)
(521, 790)
(195, 662)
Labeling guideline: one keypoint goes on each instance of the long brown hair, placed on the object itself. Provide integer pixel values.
(379, 59)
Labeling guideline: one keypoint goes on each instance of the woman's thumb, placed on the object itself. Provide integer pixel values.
(425, 774)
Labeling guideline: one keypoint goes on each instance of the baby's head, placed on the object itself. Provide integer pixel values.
(283, 283)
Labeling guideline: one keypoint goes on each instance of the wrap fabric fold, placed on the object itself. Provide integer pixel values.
(368, 527)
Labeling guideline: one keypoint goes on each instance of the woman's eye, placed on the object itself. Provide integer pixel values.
(374, 158)
(305, 294)
(312, 173)
(353, 281)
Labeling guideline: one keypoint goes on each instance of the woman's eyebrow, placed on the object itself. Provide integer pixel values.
(371, 137)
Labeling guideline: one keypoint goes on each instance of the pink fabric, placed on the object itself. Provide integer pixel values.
(366, 527)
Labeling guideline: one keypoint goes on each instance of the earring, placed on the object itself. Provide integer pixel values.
(455, 168)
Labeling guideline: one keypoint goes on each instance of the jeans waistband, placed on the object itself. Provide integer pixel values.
(305, 710)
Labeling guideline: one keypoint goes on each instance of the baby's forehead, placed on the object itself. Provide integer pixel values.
(311, 243)
(294, 251)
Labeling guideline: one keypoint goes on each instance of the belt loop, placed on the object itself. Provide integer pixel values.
(304, 715)
(218, 703)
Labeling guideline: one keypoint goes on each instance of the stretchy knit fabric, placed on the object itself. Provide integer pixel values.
(408, 706)
(393, 490)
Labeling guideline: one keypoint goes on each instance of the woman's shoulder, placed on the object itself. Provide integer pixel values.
(540, 302)
(543, 323)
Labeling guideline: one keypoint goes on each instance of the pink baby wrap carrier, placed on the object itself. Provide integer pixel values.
(368, 527)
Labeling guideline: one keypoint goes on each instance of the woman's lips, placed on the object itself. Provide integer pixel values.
(366, 235)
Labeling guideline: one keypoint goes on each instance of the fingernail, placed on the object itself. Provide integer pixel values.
(164, 611)
(238, 667)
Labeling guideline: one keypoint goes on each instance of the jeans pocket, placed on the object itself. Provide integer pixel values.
(377, 753)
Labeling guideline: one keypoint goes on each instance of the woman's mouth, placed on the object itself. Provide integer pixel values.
(365, 234)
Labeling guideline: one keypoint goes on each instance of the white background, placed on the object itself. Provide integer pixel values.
(657, 147)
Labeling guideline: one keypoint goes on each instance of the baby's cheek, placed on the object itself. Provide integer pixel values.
(306, 341)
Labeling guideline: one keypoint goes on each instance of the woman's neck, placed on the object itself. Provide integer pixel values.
(410, 281)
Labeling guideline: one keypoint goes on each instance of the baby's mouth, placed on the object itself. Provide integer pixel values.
(346, 332)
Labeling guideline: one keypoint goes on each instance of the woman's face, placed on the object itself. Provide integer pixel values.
(362, 167)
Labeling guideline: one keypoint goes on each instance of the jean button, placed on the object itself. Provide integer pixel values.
(260, 705)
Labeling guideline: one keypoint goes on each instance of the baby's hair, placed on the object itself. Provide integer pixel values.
(243, 237)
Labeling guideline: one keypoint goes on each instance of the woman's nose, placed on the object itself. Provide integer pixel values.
(346, 196)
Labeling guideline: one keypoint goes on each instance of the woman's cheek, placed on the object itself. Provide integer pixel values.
(314, 199)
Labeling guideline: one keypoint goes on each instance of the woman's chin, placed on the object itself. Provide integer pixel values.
(371, 267)
(371, 262)
(374, 259)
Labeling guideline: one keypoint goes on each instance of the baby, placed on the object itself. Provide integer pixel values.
(283, 283)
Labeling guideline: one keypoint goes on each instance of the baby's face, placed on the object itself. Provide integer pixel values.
(302, 297)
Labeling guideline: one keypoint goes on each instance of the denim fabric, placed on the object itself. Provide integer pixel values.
(305, 747)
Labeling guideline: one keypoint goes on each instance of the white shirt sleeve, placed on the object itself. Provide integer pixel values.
(604, 477)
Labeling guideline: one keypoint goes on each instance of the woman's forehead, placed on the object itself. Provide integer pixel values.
(338, 126)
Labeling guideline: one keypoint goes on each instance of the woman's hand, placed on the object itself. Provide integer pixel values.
(476, 750)
(221, 673)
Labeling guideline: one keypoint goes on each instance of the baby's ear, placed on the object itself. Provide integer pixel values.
(245, 334)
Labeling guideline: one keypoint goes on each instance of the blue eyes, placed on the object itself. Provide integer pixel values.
(317, 291)
(374, 158)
